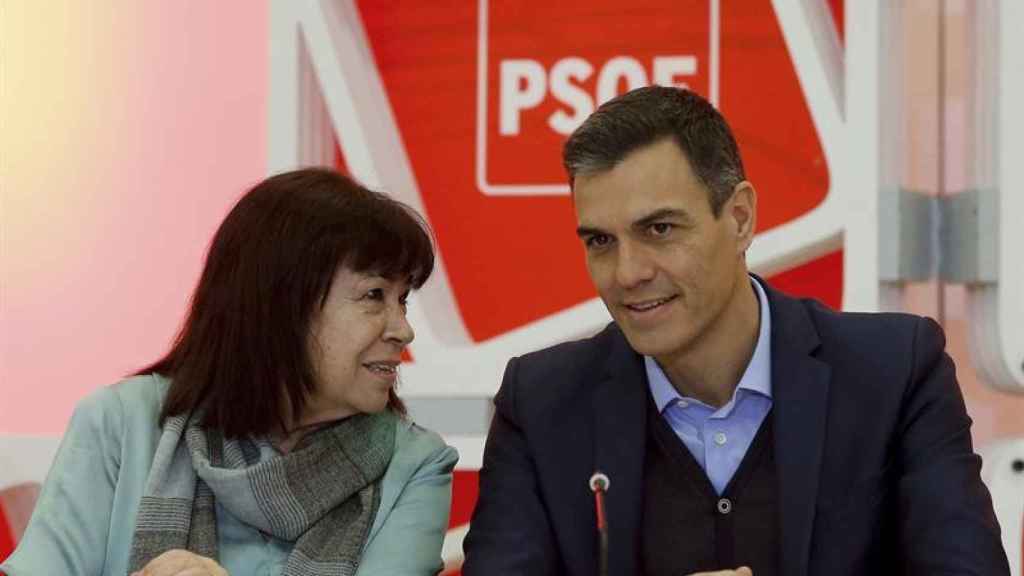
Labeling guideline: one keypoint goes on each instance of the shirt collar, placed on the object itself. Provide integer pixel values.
(756, 378)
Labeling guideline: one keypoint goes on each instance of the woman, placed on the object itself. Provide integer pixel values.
(269, 440)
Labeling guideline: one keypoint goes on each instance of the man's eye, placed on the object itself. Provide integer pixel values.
(375, 294)
(598, 241)
(660, 228)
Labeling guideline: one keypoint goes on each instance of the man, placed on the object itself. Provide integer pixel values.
(739, 427)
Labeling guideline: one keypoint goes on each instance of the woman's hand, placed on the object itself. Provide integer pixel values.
(181, 563)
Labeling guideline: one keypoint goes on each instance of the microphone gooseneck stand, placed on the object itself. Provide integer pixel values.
(599, 485)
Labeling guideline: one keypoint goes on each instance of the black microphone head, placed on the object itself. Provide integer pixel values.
(599, 482)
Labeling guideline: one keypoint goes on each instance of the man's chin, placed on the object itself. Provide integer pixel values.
(648, 344)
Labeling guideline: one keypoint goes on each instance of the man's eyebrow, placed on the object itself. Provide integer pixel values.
(662, 214)
(642, 222)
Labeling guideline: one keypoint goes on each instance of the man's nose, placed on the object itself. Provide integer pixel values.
(632, 267)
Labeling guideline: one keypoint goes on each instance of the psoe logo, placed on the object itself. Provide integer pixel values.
(538, 78)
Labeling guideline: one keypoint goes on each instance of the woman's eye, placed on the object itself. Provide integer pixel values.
(375, 294)
(403, 299)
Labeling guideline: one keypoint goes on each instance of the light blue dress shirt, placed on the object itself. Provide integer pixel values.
(719, 439)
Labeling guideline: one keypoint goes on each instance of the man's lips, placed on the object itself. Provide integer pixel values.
(641, 306)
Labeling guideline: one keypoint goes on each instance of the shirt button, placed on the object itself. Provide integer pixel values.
(724, 506)
(720, 438)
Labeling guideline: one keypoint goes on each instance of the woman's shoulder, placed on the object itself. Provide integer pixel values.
(142, 390)
(134, 399)
(415, 441)
(421, 464)
(417, 447)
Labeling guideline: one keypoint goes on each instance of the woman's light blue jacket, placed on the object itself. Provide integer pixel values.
(85, 517)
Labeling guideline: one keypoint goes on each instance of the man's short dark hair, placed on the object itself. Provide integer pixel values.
(647, 115)
(242, 356)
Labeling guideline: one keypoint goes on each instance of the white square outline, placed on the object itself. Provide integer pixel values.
(489, 189)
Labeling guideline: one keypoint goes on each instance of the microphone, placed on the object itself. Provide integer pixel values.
(599, 484)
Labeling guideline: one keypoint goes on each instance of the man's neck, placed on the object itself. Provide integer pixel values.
(711, 369)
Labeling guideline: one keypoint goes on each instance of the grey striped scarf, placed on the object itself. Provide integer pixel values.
(323, 496)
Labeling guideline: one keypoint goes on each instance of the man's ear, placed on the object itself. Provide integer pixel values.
(741, 210)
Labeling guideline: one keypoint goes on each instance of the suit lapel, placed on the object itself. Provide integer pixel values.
(800, 385)
(620, 418)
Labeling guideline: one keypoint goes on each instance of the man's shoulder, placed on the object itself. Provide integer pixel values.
(579, 356)
(852, 329)
(555, 375)
(886, 344)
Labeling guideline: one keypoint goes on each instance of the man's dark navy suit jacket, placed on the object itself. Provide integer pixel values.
(876, 470)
